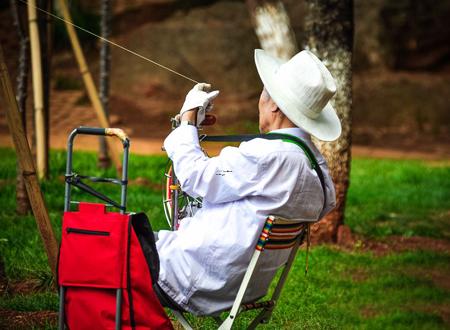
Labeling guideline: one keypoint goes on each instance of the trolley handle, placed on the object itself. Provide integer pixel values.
(103, 131)
(72, 180)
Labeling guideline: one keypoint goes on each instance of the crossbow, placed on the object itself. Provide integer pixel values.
(177, 204)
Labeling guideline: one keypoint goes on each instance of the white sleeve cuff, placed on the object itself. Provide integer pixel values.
(186, 134)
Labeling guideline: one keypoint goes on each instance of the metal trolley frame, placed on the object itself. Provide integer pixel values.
(73, 179)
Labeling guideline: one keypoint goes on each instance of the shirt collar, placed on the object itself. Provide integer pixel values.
(305, 136)
(296, 131)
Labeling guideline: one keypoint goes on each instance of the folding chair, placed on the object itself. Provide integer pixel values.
(278, 233)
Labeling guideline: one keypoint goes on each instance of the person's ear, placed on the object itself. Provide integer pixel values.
(273, 106)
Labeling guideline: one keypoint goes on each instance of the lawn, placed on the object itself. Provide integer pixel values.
(344, 288)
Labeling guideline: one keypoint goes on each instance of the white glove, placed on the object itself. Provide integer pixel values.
(199, 98)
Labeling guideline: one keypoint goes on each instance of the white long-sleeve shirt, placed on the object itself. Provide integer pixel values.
(203, 263)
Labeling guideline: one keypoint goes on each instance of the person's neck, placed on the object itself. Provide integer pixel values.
(285, 123)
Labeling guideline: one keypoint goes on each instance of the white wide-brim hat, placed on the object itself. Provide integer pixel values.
(302, 88)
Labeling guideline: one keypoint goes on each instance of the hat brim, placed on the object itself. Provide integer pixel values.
(326, 127)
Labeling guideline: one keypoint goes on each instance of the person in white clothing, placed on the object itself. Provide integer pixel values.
(203, 262)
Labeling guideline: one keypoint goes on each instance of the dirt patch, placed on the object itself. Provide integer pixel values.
(3, 278)
(24, 287)
(143, 182)
(401, 244)
(394, 243)
(437, 156)
(442, 310)
(10, 319)
(369, 312)
(359, 275)
(25, 320)
(440, 278)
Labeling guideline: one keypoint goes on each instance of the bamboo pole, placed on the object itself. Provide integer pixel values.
(89, 83)
(45, 38)
(38, 96)
(27, 167)
(105, 69)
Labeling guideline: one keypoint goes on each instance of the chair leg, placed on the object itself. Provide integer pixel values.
(180, 318)
(286, 270)
(263, 317)
(228, 323)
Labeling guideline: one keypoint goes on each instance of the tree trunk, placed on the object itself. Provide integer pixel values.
(105, 68)
(329, 34)
(22, 202)
(273, 28)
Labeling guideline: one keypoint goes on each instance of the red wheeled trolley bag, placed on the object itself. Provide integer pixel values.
(108, 260)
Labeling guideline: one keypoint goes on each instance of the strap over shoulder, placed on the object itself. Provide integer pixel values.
(276, 136)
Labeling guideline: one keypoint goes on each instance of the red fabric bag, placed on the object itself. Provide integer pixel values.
(100, 253)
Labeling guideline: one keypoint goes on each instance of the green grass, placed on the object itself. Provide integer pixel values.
(399, 197)
(20, 244)
(26, 303)
(358, 290)
(342, 290)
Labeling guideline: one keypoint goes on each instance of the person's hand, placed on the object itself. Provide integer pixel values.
(198, 102)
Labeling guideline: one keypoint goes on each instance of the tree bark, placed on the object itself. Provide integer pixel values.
(22, 202)
(329, 34)
(273, 28)
(105, 68)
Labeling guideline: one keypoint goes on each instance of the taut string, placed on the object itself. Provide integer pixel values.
(112, 43)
